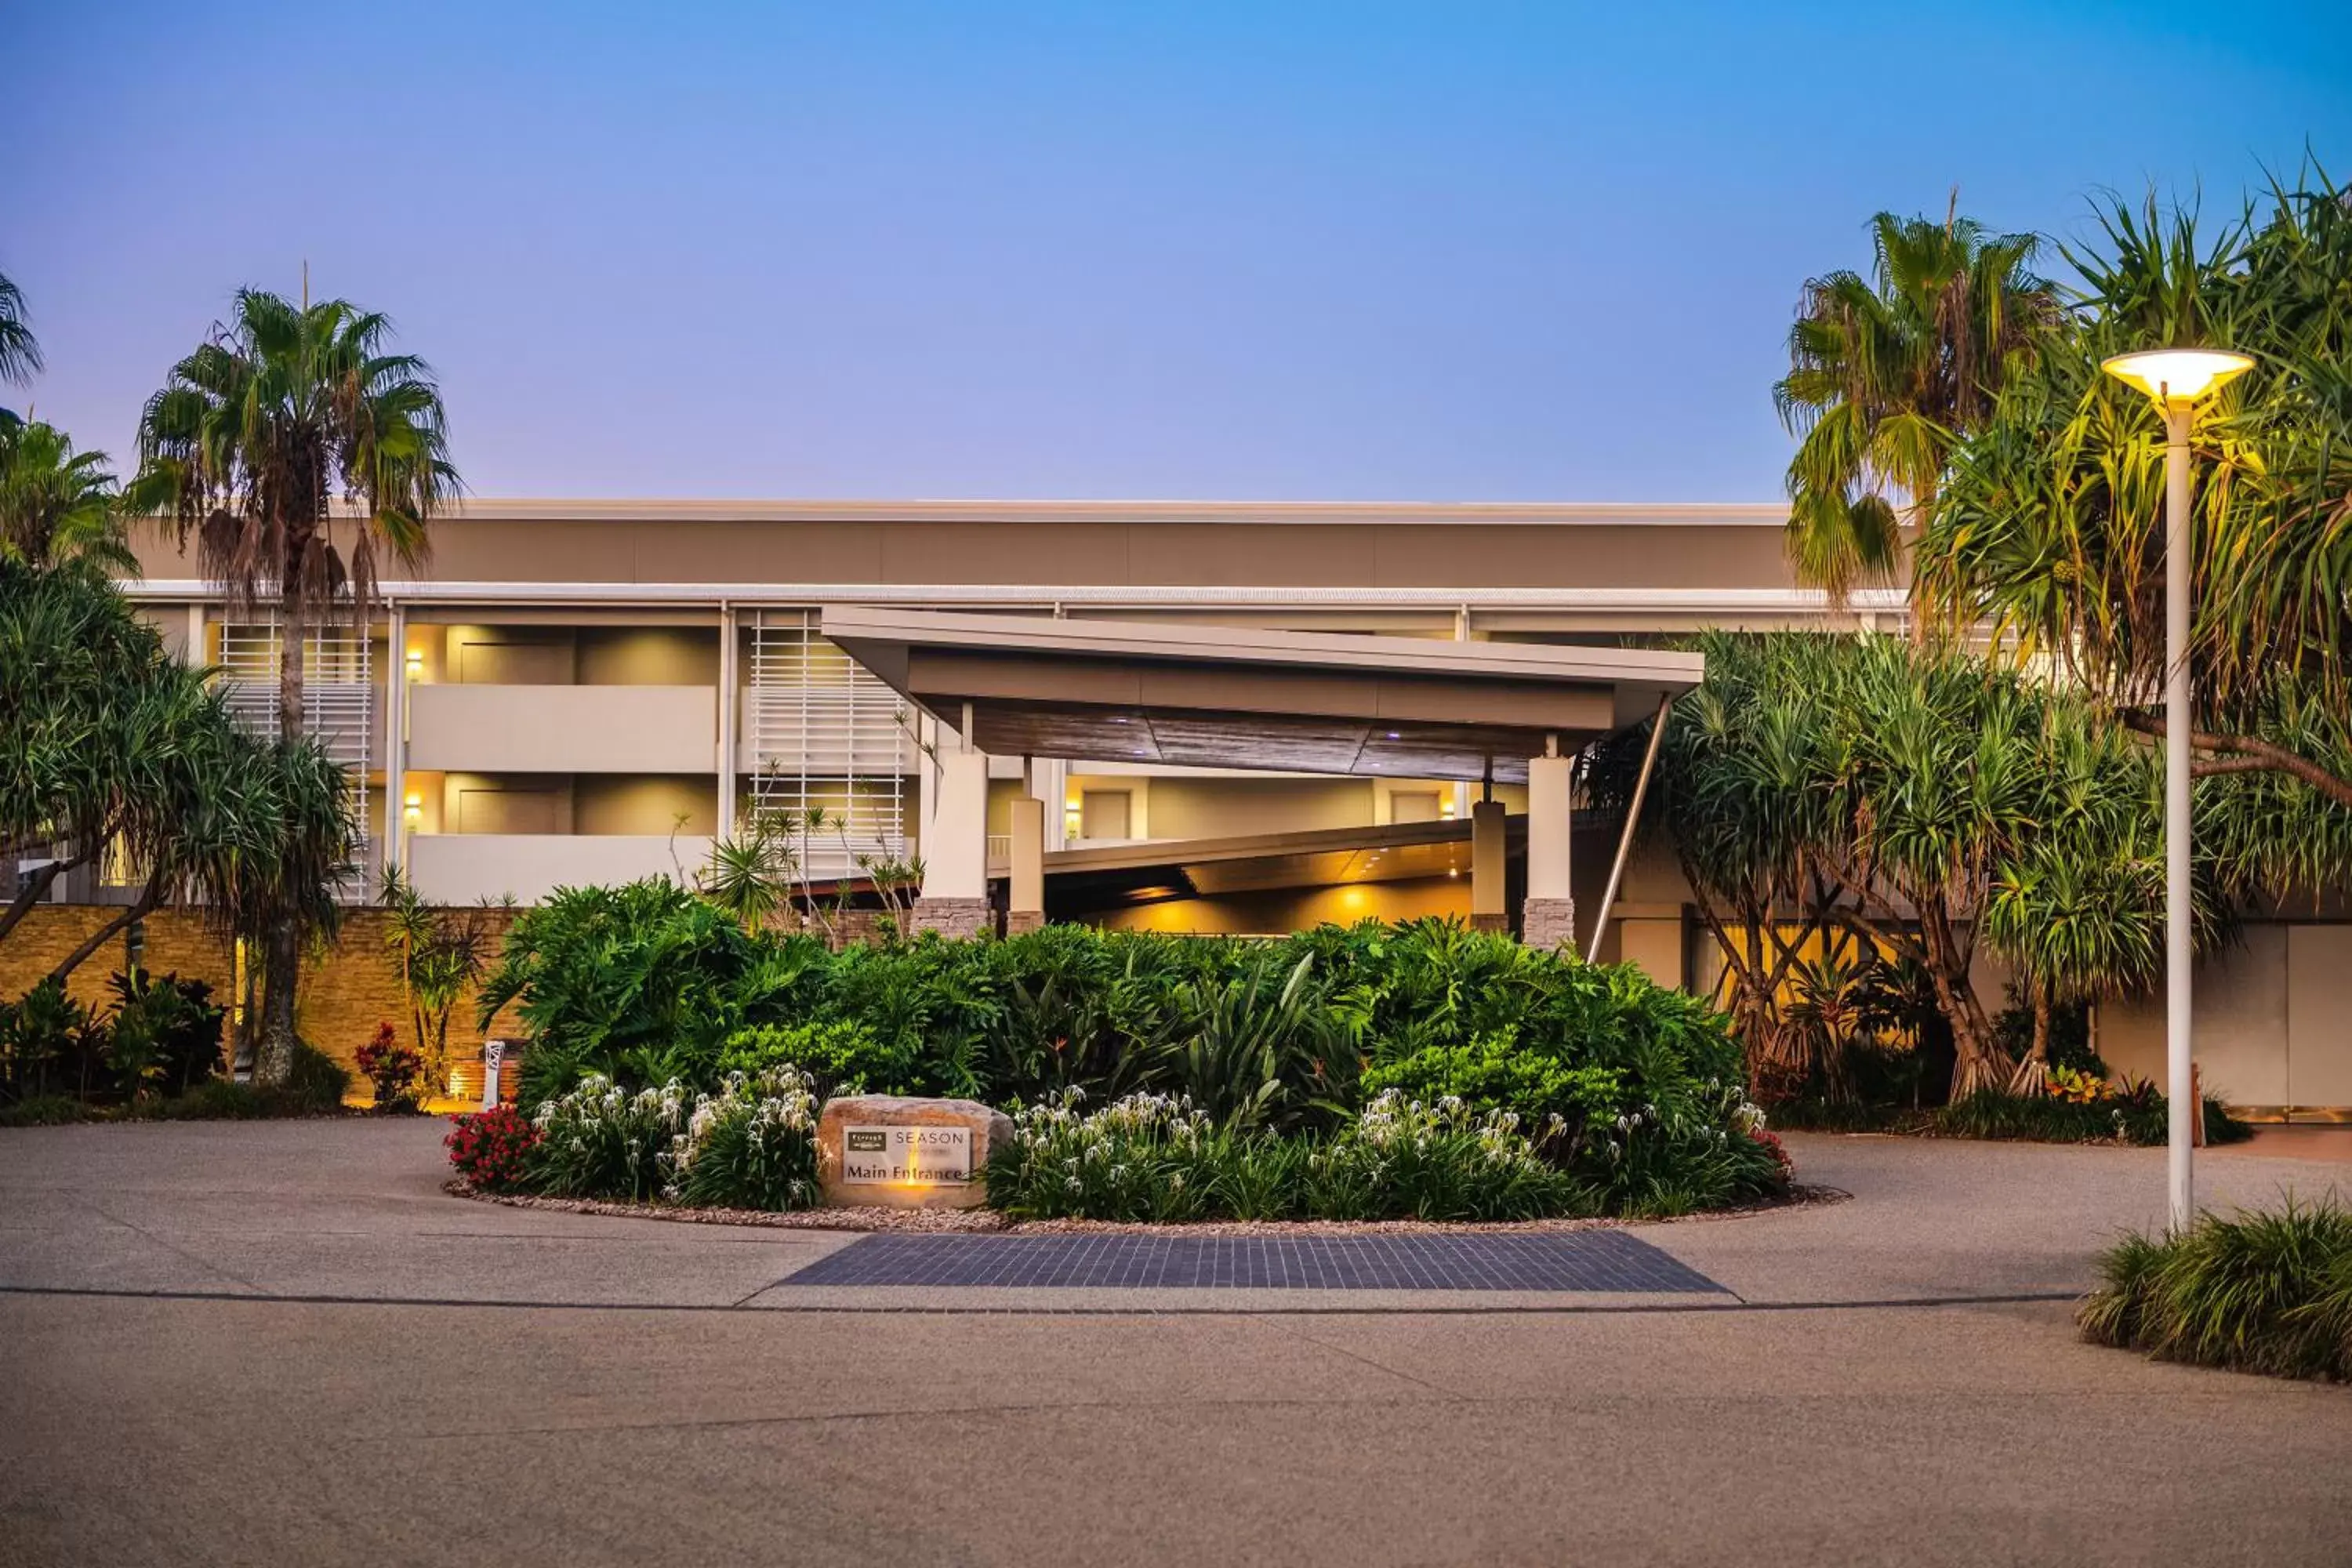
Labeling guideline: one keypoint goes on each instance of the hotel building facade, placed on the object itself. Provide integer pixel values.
(592, 691)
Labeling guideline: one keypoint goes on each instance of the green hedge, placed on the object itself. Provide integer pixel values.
(1634, 1090)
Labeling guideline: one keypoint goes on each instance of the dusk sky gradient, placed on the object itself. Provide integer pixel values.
(1254, 251)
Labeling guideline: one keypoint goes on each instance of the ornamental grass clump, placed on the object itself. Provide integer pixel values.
(2265, 1291)
(750, 1146)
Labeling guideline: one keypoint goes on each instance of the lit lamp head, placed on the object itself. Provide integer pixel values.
(2176, 376)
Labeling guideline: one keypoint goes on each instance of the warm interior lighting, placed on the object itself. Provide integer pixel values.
(414, 805)
(2177, 376)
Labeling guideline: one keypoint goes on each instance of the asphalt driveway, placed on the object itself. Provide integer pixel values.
(283, 1342)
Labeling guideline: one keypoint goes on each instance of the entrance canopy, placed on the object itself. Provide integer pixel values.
(1230, 697)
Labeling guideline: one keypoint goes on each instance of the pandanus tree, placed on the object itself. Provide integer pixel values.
(1915, 801)
(300, 456)
(109, 746)
(2051, 527)
(1888, 374)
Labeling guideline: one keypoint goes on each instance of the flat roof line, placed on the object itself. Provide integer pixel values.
(592, 509)
(754, 595)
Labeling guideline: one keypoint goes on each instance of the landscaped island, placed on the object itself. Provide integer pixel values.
(1376, 1072)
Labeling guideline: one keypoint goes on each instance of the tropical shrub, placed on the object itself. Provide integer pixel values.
(2260, 1291)
(315, 1082)
(491, 1148)
(750, 1146)
(840, 1056)
(2117, 1111)
(170, 1025)
(396, 1071)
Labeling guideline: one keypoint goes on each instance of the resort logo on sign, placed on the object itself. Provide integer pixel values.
(894, 1156)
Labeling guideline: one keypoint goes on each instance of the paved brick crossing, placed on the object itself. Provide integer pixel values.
(1570, 1260)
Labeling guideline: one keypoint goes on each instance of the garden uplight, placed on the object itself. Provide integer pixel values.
(2177, 376)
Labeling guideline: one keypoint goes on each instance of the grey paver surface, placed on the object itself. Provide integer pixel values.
(156, 1407)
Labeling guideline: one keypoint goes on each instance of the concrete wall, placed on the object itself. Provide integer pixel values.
(564, 729)
(2272, 1020)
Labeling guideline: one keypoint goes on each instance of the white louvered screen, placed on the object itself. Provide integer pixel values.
(825, 733)
(339, 699)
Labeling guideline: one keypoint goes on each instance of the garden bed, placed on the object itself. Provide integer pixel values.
(995, 1222)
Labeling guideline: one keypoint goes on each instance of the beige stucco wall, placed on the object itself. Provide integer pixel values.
(555, 789)
(2274, 1020)
(645, 804)
(563, 729)
(648, 656)
(1234, 808)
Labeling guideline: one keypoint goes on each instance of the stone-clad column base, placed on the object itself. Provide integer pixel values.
(1549, 922)
(1018, 921)
(1495, 922)
(953, 916)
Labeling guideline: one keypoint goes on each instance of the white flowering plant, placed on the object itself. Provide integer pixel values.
(1158, 1158)
(752, 1145)
(1402, 1158)
(601, 1141)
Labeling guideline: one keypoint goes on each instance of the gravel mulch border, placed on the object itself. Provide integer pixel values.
(991, 1221)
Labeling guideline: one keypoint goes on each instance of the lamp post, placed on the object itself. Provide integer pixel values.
(2177, 379)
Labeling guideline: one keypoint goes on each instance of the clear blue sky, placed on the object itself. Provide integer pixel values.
(1254, 249)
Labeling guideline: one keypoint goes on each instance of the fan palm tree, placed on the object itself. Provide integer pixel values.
(284, 411)
(1886, 374)
(58, 505)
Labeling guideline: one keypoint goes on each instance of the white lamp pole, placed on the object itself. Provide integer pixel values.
(2175, 379)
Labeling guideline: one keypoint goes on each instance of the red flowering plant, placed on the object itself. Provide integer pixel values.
(397, 1072)
(1771, 1144)
(491, 1148)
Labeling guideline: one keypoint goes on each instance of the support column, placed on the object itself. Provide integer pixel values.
(954, 899)
(1049, 782)
(727, 710)
(1025, 908)
(1490, 908)
(1549, 916)
(393, 855)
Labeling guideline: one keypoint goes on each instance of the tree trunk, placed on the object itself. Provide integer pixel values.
(2032, 1075)
(281, 949)
(273, 1060)
(1977, 1062)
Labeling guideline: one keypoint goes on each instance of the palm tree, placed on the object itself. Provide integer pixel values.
(58, 505)
(20, 354)
(284, 411)
(1886, 374)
